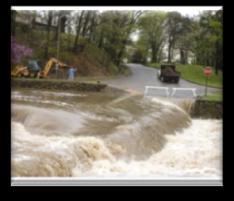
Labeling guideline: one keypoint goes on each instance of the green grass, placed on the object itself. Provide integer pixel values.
(213, 97)
(194, 73)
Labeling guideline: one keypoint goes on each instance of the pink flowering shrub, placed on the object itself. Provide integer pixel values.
(18, 51)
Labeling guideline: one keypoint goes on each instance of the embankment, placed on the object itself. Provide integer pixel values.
(57, 85)
(199, 109)
(207, 109)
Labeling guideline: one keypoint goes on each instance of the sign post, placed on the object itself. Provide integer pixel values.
(207, 72)
(206, 86)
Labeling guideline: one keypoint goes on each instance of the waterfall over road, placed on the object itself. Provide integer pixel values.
(105, 135)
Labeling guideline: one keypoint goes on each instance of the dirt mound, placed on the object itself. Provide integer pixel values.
(87, 67)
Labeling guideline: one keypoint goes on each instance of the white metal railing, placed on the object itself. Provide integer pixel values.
(167, 92)
(166, 89)
(194, 91)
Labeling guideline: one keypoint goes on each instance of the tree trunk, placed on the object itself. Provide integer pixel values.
(49, 23)
(220, 60)
(169, 53)
(186, 57)
(76, 41)
(154, 58)
(159, 55)
(69, 30)
(92, 28)
(207, 59)
(84, 30)
(56, 34)
(78, 31)
(183, 56)
(100, 40)
(217, 58)
(120, 55)
(63, 24)
(13, 24)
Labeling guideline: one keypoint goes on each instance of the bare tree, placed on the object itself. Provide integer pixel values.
(78, 28)
(13, 24)
(174, 24)
(48, 29)
(131, 21)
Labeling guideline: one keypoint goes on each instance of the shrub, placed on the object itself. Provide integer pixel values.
(19, 51)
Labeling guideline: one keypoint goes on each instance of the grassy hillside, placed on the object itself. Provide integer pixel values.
(91, 61)
(194, 73)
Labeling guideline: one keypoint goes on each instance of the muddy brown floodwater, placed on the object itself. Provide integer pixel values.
(108, 135)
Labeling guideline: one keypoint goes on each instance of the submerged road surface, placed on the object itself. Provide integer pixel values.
(145, 76)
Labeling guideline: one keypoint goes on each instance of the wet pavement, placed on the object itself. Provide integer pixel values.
(145, 76)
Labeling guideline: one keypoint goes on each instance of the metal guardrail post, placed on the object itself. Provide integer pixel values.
(184, 89)
(174, 90)
(154, 87)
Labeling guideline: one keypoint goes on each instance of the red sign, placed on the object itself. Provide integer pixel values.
(207, 71)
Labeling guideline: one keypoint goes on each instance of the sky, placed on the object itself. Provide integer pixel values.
(190, 11)
(184, 10)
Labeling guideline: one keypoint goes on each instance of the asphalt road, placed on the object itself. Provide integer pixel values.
(145, 76)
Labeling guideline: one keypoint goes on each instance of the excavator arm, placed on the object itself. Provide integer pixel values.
(49, 65)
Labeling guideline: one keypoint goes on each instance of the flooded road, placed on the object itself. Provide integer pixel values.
(145, 76)
(110, 135)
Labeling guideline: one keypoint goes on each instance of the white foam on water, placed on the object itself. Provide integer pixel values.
(195, 152)
(161, 143)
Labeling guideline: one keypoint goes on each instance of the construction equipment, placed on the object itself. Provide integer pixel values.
(168, 73)
(44, 73)
(20, 71)
(33, 69)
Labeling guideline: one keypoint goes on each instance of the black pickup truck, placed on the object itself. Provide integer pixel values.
(168, 73)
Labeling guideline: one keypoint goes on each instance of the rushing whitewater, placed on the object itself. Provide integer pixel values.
(107, 135)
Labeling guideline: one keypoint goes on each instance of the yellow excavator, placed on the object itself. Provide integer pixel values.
(44, 73)
(20, 71)
(28, 71)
